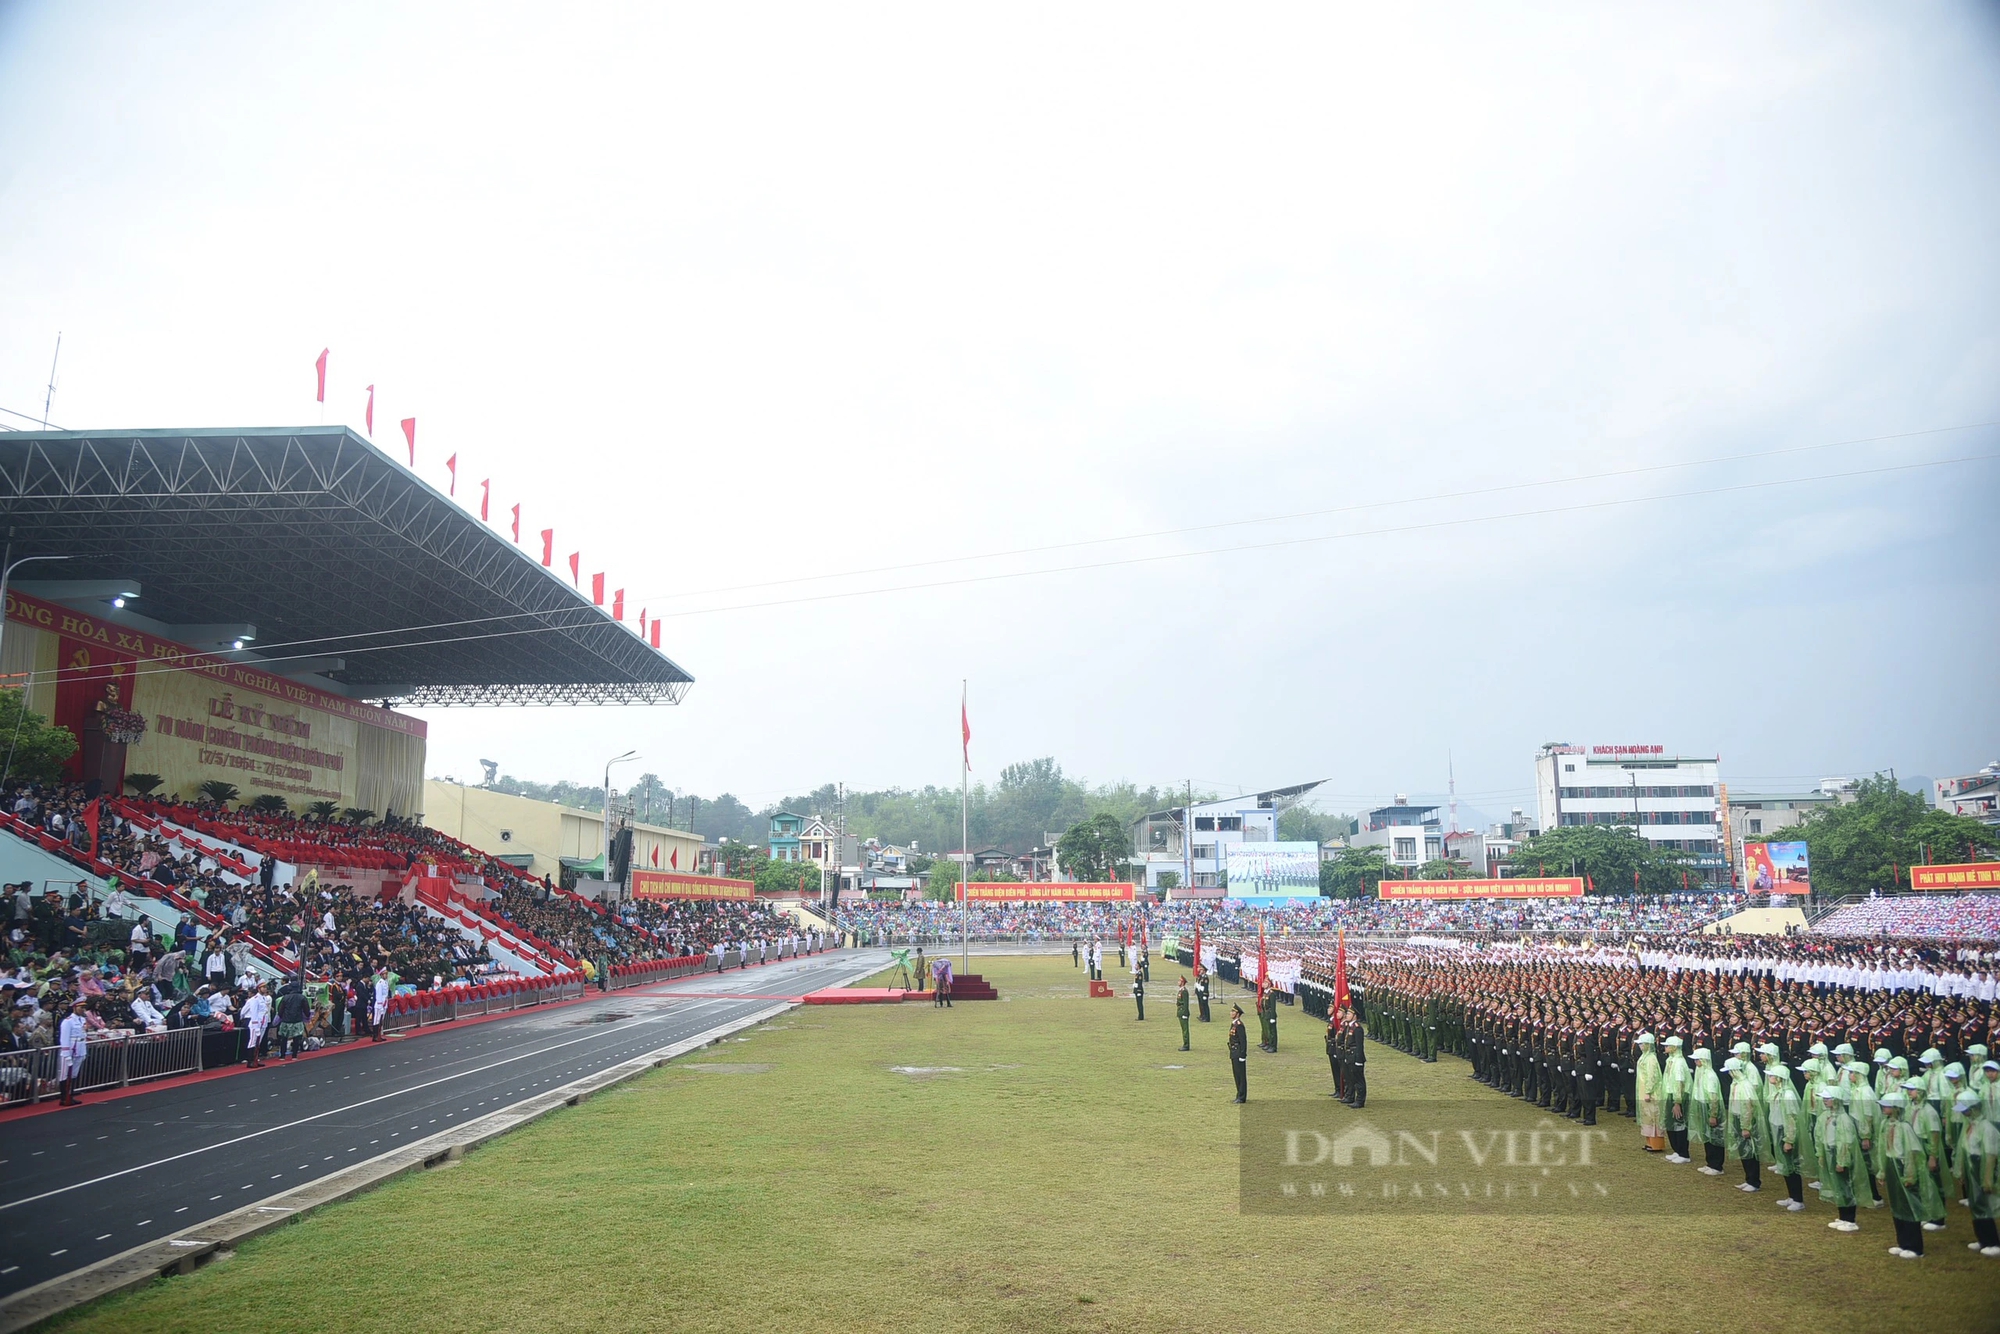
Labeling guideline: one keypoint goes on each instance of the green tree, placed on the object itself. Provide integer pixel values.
(144, 784)
(219, 792)
(322, 810)
(741, 861)
(1354, 873)
(941, 885)
(1303, 824)
(1094, 849)
(1443, 868)
(1170, 880)
(1608, 856)
(270, 803)
(357, 815)
(35, 749)
(1871, 842)
(787, 878)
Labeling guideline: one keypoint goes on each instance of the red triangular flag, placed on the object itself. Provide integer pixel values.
(548, 543)
(485, 494)
(410, 434)
(618, 605)
(597, 590)
(369, 417)
(320, 365)
(576, 569)
(676, 859)
(965, 730)
(656, 854)
(451, 466)
(656, 634)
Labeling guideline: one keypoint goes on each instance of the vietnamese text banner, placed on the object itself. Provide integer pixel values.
(668, 885)
(1965, 875)
(1008, 891)
(1524, 887)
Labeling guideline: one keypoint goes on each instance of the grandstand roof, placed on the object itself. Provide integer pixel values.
(334, 551)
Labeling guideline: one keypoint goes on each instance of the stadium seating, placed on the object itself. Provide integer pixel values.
(1933, 916)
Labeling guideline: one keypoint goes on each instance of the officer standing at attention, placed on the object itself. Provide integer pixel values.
(1139, 993)
(1201, 991)
(1333, 1057)
(1355, 1050)
(1181, 1012)
(1075, 954)
(1239, 1053)
(1271, 1016)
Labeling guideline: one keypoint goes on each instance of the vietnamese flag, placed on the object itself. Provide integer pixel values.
(1588, 883)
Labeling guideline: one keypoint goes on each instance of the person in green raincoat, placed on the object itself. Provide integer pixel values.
(1901, 1168)
(1930, 1069)
(1979, 1167)
(1705, 1113)
(1815, 1068)
(1841, 1161)
(1866, 1110)
(1885, 1077)
(1784, 1133)
(1676, 1082)
(1646, 1089)
(1744, 1121)
(1985, 1081)
(1936, 1158)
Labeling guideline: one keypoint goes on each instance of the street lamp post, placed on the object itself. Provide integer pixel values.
(7, 568)
(616, 759)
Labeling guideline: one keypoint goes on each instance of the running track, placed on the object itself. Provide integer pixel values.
(133, 1166)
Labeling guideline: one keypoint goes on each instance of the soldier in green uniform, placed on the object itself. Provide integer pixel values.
(1271, 1017)
(1239, 1053)
(1139, 993)
(1181, 1012)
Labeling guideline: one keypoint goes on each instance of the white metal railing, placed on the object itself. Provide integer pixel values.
(30, 1075)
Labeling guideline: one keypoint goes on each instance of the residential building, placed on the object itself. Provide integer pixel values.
(1672, 801)
(1751, 817)
(782, 844)
(1975, 795)
(1408, 835)
(1467, 846)
(542, 837)
(1198, 858)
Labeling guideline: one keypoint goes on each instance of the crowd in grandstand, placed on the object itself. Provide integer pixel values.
(928, 922)
(1933, 915)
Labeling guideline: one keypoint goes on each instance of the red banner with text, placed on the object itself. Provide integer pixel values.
(668, 885)
(1009, 891)
(1524, 887)
(1964, 875)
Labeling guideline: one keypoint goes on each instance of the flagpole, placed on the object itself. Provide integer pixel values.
(964, 837)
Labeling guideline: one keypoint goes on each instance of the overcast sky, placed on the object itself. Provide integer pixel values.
(738, 298)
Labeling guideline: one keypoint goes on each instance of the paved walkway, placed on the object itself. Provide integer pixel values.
(137, 1165)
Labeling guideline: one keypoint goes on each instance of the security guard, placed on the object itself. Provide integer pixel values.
(1239, 1053)
(1181, 1012)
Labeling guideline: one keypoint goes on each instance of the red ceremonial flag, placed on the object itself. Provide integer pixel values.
(675, 860)
(618, 605)
(451, 466)
(576, 569)
(410, 434)
(656, 854)
(548, 541)
(1341, 973)
(369, 416)
(642, 622)
(965, 730)
(320, 365)
(1588, 883)
(1635, 880)
(90, 812)
(1197, 949)
(1684, 880)
(485, 494)
(1260, 962)
(656, 634)
(597, 590)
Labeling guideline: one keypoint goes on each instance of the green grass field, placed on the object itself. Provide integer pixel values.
(1043, 1163)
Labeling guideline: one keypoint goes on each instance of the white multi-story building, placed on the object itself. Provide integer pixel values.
(1975, 795)
(1671, 801)
(1197, 859)
(1408, 835)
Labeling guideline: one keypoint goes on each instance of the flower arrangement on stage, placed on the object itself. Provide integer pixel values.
(123, 726)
